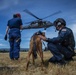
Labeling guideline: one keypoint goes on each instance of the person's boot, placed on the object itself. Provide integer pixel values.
(12, 58)
(61, 62)
(52, 60)
(69, 59)
(16, 58)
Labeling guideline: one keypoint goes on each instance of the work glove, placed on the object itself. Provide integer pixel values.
(5, 37)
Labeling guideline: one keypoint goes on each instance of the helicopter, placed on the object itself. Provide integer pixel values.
(39, 23)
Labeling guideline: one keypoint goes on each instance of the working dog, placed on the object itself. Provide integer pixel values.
(35, 47)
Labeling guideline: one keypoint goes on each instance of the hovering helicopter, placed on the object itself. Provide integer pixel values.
(39, 23)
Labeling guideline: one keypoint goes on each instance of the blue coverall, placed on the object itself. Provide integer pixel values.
(63, 45)
(14, 34)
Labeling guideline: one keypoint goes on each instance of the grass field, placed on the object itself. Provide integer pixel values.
(9, 67)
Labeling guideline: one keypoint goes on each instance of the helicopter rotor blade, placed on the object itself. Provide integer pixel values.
(52, 14)
(27, 11)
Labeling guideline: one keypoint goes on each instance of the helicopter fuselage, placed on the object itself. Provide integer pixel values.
(39, 23)
(35, 25)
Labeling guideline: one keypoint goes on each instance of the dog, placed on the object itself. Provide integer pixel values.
(35, 47)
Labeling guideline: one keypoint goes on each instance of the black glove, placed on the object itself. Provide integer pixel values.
(5, 38)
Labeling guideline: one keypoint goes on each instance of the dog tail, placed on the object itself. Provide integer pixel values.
(35, 54)
(34, 48)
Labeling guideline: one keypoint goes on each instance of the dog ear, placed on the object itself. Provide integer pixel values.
(43, 33)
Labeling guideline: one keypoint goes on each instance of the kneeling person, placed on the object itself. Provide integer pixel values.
(62, 47)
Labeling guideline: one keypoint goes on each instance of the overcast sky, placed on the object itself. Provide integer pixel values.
(40, 8)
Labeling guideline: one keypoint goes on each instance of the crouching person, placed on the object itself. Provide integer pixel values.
(62, 46)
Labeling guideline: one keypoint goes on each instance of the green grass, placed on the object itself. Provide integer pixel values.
(9, 67)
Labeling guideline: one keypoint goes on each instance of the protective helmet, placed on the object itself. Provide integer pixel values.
(59, 21)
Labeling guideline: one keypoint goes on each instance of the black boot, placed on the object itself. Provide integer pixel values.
(16, 58)
(52, 60)
(61, 62)
(69, 59)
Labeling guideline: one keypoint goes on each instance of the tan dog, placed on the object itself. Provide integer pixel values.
(35, 46)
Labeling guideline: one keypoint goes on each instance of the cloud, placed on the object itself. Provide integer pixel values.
(2, 44)
(26, 39)
(4, 4)
(73, 27)
(25, 44)
(1, 35)
(1, 39)
(40, 8)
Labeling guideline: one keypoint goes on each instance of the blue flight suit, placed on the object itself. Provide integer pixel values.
(63, 45)
(14, 35)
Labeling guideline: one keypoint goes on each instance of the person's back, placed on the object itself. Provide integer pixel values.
(71, 39)
(66, 40)
(14, 25)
